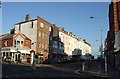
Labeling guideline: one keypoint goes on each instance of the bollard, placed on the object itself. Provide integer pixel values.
(83, 66)
(34, 64)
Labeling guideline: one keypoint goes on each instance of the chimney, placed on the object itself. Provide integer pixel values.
(62, 28)
(27, 18)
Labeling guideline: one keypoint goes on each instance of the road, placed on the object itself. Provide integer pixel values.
(12, 70)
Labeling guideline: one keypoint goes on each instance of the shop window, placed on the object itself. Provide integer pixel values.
(43, 35)
(10, 53)
(7, 54)
(3, 53)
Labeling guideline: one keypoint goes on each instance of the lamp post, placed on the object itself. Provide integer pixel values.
(101, 46)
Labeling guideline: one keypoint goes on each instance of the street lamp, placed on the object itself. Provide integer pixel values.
(101, 47)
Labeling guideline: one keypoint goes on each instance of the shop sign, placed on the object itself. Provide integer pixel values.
(5, 49)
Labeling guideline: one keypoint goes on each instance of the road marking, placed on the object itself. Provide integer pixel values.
(77, 71)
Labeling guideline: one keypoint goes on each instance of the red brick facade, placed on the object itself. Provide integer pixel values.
(8, 41)
(114, 26)
(43, 35)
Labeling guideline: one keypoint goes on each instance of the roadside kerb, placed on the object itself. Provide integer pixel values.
(79, 71)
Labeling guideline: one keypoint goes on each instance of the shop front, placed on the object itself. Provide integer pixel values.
(15, 56)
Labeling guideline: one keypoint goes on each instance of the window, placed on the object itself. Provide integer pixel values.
(43, 35)
(21, 42)
(41, 24)
(32, 25)
(6, 43)
(19, 27)
(14, 42)
(10, 53)
(115, 21)
(39, 45)
(49, 28)
(42, 45)
(7, 54)
(3, 54)
(46, 27)
(18, 42)
(39, 34)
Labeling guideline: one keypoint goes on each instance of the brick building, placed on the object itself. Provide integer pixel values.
(16, 46)
(49, 41)
(114, 26)
(39, 31)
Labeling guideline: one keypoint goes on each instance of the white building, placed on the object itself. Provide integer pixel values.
(73, 44)
(29, 29)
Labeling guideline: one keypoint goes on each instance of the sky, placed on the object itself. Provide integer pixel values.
(73, 16)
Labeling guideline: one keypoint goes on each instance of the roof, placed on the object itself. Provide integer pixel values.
(6, 36)
(25, 21)
(26, 37)
(10, 36)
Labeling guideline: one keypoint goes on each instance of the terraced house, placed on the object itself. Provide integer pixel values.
(50, 42)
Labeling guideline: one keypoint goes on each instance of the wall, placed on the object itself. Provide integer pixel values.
(27, 30)
(43, 35)
(10, 43)
(71, 43)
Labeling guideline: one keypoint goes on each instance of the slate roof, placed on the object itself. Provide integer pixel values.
(25, 21)
(10, 36)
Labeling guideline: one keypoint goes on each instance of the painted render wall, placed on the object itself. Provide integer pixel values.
(27, 30)
(71, 43)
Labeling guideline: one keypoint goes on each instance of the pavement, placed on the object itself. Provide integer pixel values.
(112, 73)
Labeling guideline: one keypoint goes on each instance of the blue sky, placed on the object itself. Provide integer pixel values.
(73, 16)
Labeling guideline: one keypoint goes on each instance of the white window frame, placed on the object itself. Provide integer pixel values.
(6, 43)
(41, 24)
(50, 29)
(39, 45)
(18, 43)
(22, 43)
(42, 35)
(39, 34)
